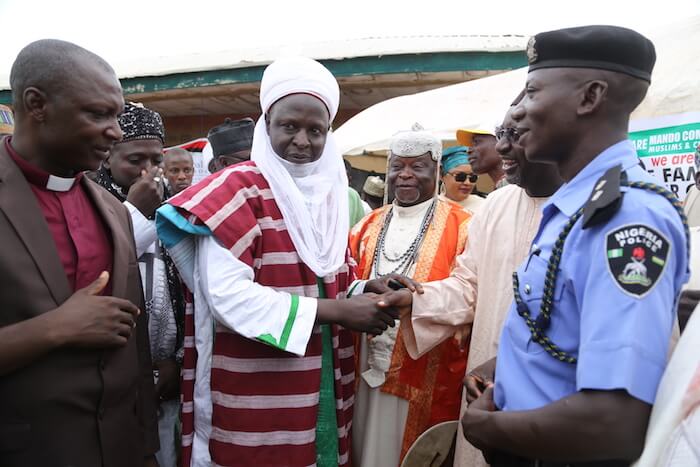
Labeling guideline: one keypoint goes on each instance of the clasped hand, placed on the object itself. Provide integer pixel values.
(380, 306)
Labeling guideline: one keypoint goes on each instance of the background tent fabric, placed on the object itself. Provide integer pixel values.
(442, 111)
(676, 79)
(674, 90)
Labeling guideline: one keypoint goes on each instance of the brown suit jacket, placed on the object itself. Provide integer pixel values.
(73, 407)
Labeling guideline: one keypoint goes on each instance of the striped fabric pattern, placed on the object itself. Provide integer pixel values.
(265, 401)
(189, 363)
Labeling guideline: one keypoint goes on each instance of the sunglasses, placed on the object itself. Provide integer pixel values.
(511, 134)
(461, 177)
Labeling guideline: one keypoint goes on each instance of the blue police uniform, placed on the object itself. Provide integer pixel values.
(614, 303)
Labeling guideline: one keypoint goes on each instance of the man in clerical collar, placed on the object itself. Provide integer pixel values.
(75, 368)
(231, 142)
(418, 236)
(132, 173)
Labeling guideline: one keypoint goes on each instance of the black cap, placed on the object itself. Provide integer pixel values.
(231, 136)
(603, 47)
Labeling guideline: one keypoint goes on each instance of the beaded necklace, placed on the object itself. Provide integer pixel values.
(408, 257)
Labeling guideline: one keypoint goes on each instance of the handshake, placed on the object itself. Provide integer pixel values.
(384, 300)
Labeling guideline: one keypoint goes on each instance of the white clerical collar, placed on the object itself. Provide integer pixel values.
(59, 183)
(412, 211)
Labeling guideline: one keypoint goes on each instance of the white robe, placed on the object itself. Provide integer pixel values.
(379, 418)
(472, 203)
(479, 289)
(673, 436)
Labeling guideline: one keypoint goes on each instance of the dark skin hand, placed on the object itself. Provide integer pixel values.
(479, 380)
(381, 284)
(359, 313)
(146, 194)
(584, 427)
(402, 299)
(86, 319)
(364, 313)
(483, 404)
(168, 386)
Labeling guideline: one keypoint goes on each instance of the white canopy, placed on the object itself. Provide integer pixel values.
(442, 111)
(483, 102)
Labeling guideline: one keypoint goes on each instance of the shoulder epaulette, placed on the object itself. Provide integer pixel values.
(605, 199)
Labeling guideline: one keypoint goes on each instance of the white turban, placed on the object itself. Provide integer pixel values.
(312, 197)
(299, 75)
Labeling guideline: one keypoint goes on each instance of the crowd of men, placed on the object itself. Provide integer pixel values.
(271, 315)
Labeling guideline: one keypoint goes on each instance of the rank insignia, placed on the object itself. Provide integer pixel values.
(637, 256)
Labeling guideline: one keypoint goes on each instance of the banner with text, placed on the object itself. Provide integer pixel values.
(668, 152)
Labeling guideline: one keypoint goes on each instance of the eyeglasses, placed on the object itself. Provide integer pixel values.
(511, 134)
(461, 177)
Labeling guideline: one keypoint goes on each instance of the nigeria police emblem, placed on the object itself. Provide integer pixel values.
(637, 256)
(531, 51)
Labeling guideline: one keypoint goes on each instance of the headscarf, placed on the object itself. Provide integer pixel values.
(312, 197)
(454, 157)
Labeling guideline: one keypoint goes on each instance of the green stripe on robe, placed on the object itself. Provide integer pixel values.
(327, 423)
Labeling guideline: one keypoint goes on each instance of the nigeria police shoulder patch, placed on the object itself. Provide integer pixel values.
(637, 256)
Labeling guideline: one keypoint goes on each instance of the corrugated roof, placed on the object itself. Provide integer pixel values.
(326, 50)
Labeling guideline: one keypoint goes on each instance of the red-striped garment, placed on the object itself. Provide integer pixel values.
(265, 400)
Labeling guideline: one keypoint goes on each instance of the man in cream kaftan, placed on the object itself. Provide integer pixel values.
(474, 299)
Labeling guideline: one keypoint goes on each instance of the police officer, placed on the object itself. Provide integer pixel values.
(586, 340)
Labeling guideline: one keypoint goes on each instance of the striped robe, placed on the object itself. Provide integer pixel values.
(260, 401)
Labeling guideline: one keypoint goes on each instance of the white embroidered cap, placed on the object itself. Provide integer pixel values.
(415, 143)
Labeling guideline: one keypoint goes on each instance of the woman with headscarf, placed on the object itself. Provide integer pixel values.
(263, 245)
(458, 179)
